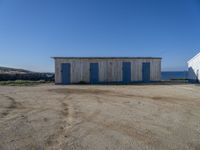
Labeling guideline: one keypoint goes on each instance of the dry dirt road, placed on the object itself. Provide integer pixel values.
(139, 117)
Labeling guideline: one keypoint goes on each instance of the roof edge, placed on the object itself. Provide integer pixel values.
(194, 57)
(106, 57)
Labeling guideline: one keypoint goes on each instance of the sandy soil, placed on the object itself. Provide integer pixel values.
(143, 117)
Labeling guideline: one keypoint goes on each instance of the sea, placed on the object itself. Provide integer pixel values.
(169, 75)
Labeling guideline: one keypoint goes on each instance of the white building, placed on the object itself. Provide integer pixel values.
(194, 69)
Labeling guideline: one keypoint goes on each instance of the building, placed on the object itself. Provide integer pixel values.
(194, 69)
(97, 70)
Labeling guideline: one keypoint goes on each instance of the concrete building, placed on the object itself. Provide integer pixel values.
(194, 69)
(94, 70)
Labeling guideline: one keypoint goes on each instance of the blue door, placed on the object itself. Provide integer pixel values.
(146, 72)
(126, 72)
(66, 73)
(94, 73)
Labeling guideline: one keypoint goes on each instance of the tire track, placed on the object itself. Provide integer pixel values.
(55, 141)
(12, 106)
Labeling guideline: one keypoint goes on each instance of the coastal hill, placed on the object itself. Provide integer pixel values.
(7, 70)
(7, 74)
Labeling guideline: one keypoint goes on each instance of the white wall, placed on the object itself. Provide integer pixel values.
(194, 68)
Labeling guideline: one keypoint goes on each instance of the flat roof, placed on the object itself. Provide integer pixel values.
(106, 57)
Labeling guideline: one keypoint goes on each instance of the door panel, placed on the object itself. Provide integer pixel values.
(126, 72)
(94, 73)
(146, 72)
(66, 78)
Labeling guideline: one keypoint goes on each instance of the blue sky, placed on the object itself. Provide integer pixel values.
(32, 31)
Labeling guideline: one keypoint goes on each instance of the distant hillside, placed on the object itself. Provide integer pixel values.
(12, 74)
(6, 70)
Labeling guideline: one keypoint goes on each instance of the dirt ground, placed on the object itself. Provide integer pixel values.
(139, 117)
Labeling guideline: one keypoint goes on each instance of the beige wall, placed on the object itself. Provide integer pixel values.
(110, 70)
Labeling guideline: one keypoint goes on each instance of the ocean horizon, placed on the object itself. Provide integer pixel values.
(169, 75)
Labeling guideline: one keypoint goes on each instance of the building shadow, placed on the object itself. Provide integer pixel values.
(192, 76)
(171, 82)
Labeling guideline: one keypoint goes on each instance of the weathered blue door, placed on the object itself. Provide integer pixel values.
(126, 72)
(146, 72)
(94, 73)
(66, 73)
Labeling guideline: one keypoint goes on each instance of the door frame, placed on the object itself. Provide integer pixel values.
(126, 72)
(94, 73)
(66, 73)
(146, 72)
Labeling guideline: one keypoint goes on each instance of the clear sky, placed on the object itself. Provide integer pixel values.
(32, 31)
